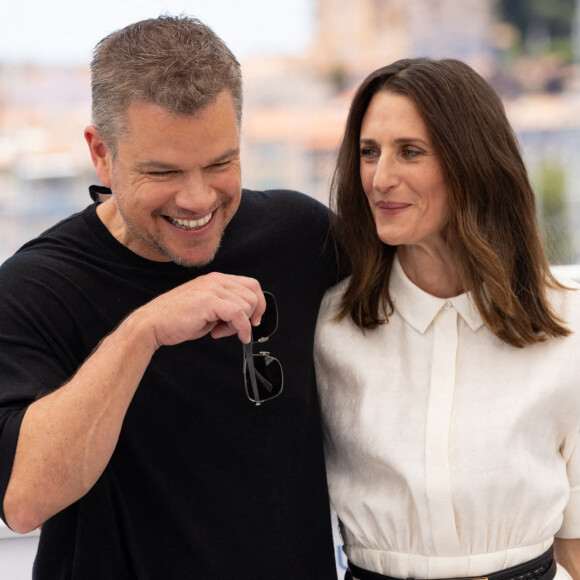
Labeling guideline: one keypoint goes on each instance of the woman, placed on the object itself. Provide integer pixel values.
(448, 363)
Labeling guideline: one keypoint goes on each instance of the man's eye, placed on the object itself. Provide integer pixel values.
(221, 165)
(160, 173)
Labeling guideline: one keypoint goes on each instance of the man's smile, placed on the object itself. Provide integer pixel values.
(189, 224)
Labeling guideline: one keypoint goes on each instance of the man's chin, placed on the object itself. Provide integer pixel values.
(188, 263)
(192, 259)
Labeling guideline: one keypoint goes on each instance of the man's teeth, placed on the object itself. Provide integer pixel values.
(191, 224)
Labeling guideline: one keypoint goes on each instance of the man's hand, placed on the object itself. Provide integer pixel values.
(218, 303)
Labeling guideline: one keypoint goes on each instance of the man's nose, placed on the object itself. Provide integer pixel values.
(196, 194)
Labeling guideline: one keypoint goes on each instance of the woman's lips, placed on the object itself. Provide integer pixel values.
(392, 205)
(392, 208)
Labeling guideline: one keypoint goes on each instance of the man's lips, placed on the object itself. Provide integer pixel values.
(189, 224)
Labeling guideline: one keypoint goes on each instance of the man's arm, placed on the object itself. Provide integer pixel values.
(568, 555)
(67, 438)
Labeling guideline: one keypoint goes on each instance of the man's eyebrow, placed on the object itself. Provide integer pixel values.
(154, 165)
(233, 152)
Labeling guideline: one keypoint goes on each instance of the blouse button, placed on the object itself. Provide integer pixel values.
(447, 305)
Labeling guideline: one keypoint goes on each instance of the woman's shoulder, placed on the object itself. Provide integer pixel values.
(335, 293)
(331, 301)
(566, 302)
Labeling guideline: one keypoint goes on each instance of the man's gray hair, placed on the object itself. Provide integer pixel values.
(175, 62)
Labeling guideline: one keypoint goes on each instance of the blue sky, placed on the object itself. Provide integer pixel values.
(65, 31)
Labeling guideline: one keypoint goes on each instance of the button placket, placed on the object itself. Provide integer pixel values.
(438, 432)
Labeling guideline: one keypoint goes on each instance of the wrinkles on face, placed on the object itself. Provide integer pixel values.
(401, 173)
(171, 168)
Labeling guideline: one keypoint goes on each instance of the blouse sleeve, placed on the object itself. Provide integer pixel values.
(570, 528)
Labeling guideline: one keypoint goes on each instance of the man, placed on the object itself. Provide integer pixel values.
(125, 427)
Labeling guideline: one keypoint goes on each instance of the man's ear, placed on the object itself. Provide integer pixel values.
(100, 154)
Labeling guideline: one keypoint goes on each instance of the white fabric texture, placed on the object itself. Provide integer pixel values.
(449, 452)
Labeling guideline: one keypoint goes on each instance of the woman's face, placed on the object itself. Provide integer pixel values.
(401, 174)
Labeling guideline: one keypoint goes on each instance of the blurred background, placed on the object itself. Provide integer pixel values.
(302, 60)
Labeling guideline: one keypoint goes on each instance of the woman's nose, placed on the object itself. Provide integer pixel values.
(386, 174)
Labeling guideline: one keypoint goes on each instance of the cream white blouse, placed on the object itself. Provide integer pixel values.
(449, 452)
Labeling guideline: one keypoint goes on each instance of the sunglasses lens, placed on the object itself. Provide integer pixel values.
(269, 378)
(269, 321)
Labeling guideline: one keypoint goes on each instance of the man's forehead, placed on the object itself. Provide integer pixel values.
(223, 100)
(158, 141)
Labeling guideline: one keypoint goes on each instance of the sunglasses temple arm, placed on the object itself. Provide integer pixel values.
(264, 381)
(249, 354)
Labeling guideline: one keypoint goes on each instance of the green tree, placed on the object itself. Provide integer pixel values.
(539, 18)
(552, 212)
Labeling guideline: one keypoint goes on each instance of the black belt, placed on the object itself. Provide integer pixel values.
(541, 568)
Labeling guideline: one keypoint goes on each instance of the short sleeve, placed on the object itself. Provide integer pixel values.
(570, 528)
(35, 358)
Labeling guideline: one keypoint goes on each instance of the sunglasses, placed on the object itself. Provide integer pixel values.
(263, 376)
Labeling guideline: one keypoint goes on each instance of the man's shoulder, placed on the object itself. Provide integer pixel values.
(51, 245)
(283, 208)
(282, 197)
(61, 233)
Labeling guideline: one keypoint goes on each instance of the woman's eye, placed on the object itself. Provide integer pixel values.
(368, 152)
(410, 153)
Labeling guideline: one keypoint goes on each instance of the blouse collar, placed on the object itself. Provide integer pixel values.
(419, 308)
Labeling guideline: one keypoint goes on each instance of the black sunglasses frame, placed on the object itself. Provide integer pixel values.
(268, 389)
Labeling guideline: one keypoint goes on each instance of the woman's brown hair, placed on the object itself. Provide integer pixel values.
(492, 228)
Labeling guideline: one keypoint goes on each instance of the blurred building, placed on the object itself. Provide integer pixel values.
(291, 132)
(296, 107)
(294, 113)
(357, 36)
(44, 166)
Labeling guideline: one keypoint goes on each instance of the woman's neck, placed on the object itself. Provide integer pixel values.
(431, 269)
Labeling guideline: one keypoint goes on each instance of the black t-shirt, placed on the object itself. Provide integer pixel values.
(202, 483)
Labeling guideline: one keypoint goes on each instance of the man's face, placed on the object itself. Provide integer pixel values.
(176, 182)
